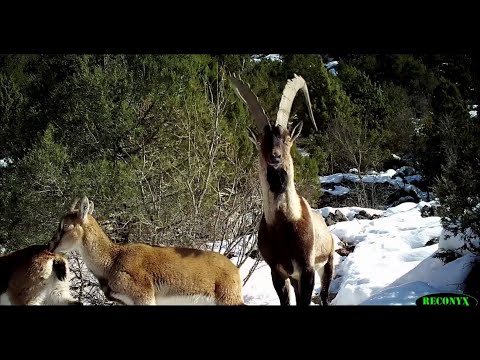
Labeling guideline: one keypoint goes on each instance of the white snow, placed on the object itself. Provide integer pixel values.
(390, 264)
(331, 67)
(303, 152)
(449, 241)
(382, 177)
(430, 276)
(338, 190)
(473, 111)
(259, 289)
(271, 57)
(5, 161)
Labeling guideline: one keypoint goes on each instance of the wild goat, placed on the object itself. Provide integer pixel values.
(293, 239)
(35, 276)
(141, 274)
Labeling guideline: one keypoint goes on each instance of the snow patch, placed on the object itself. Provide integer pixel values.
(338, 190)
(390, 176)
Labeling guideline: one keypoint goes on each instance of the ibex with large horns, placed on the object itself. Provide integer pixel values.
(293, 239)
(141, 274)
(35, 276)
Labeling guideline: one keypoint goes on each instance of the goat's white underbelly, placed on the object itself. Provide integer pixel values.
(184, 300)
(4, 300)
(165, 296)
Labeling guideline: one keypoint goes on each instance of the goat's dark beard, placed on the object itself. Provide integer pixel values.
(277, 179)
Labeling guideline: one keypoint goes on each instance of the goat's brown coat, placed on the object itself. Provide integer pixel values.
(144, 273)
(293, 239)
(35, 276)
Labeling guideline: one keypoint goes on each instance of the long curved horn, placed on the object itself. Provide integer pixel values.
(246, 94)
(289, 93)
(74, 204)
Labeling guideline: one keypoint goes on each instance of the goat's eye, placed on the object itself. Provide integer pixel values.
(66, 226)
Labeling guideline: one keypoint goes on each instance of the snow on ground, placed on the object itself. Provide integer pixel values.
(390, 264)
(259, 289)
(374, 177)
(473, 111)
(5, 161)
(449, 241)
(338, 190)
(430, 276)
(332, 67)
(303, 152)
(272, 57)
(386, 248)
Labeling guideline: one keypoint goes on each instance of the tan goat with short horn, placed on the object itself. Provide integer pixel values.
(141, 274)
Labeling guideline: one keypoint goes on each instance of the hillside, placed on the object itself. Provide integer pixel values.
(160, 144)
(384, 257)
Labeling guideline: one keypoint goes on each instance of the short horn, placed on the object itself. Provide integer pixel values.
(289, 93)
(245, 93)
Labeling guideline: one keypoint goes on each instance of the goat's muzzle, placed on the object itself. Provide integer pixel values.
(275, 160)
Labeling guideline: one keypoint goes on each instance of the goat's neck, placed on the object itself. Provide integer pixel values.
(288, 203)
(97, 250)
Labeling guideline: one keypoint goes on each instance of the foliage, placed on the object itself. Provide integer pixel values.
(159, 142)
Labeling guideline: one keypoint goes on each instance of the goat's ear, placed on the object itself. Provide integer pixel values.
(253, 138)
(90, 209)
(84, 209)
(296, 131)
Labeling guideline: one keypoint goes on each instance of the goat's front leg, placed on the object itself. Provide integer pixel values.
(307, 283)
(282, 287)
(132, 289)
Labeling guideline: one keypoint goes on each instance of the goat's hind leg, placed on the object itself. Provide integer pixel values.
(326, 276)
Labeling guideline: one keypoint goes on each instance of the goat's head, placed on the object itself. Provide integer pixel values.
(274, 144)
(273, 140)
(70, 231)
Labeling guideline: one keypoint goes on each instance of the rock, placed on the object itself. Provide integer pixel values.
(405, 171)
(427, 211)
(363, 215)
(329, 220)
(345, 250)
(432, 241)
(334, 218)
(400, 196)
(339, 216)
(254, 254)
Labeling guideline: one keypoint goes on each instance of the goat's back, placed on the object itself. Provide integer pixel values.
(172, 264)
(324, 243)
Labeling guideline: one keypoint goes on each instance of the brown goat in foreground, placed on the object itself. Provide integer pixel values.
(293, 239)
(35, 276)
(141, 274)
